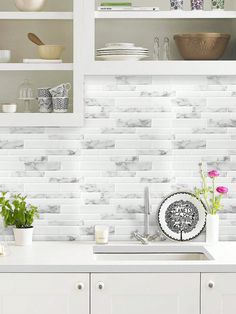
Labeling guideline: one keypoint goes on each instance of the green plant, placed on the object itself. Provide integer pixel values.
(16, 212)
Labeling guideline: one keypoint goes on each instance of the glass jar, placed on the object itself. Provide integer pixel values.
(26, 96)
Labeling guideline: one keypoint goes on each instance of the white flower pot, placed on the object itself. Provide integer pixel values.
(23, 236)
(212, 229)
(29, 5)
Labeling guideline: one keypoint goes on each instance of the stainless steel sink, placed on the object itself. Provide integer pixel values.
(151, 253)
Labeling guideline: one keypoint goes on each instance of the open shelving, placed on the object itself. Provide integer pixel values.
(140, 27)
(36, 67)
(61, 23)
(165, 15)
(36, 15)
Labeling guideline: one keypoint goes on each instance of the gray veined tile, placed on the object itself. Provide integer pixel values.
(27, 130)
(65, 180)
(118, 131)
(18, 144)
(97, 188)
(133, 166)
(222, 123)
(28, 174)
(190, 102)
(189, 144)
(134, 123)
(49, 209)
(192, 115)
(209, 130)
(98, 144)
(137, 80)
(130, 209)
(42, 166)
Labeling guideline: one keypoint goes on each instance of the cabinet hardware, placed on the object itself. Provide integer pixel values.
(211, 284)
(80, 286)
(100, 285)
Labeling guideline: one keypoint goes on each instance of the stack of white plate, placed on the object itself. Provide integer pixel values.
(121, 52)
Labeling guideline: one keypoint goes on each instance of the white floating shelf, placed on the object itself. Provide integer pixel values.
(36, 67)
(36, 16)
(41, 119)
(162, 68)
(165, 15)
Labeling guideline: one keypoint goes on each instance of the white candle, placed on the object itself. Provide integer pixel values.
(101, 234)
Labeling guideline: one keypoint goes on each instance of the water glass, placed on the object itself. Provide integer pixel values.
(176, 4)
(197, 4)
(217, 4)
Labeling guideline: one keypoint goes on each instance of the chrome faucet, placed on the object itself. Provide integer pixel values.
(146, 237)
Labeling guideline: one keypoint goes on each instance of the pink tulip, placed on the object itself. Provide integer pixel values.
(213, 174)
(222, 190)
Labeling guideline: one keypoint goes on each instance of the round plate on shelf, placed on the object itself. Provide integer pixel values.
(182, 216)
(121, 57)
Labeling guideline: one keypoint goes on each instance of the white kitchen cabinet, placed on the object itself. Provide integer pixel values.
(145, 293)
(218, 293)
(44, 293)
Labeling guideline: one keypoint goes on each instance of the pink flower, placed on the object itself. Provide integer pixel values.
(213, 174)
(222, 190)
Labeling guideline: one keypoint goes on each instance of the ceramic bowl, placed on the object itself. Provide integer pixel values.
(5, 56)
(30, 5)
(50, 52)
(9, 108)
(202, 46)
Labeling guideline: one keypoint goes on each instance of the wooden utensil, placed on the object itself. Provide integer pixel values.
(32, 37)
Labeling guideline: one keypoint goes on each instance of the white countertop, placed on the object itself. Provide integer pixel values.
(78, 257)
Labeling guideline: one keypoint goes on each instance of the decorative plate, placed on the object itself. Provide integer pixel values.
(182, 216)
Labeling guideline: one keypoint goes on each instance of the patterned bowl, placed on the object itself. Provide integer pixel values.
(202, 46)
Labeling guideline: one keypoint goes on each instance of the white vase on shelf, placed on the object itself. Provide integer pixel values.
(29, 5)
(212, 228)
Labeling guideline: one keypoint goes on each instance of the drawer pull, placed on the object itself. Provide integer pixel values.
(100, 285)
(211, 284)
(80, 286)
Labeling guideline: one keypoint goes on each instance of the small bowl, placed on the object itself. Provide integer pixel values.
(30, 5)
(5, 56)
(50, 52)
(9, 108)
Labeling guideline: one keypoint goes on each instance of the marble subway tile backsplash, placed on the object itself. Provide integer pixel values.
(138, 131)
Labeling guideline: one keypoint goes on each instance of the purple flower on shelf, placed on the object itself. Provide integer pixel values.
(213, 174)
(222, 190)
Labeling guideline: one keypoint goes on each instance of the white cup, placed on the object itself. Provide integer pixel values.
(101, 234)
(5, 56)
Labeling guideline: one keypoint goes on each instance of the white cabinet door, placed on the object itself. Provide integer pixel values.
(44, 294)
(145, 293)
(218, 293)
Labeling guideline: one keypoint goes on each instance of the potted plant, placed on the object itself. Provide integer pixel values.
(211, 196)
(17, 213)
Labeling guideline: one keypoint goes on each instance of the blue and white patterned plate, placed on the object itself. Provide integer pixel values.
(182, 216)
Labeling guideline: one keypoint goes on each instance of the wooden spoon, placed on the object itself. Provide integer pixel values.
(32, 37)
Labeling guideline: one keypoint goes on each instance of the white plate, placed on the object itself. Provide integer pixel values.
(119, 48)
(125, 45)
(182, 216)
(122, 53)
(121, 58)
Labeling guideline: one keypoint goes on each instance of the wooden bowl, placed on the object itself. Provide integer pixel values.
(50, 52)
(202, 46)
